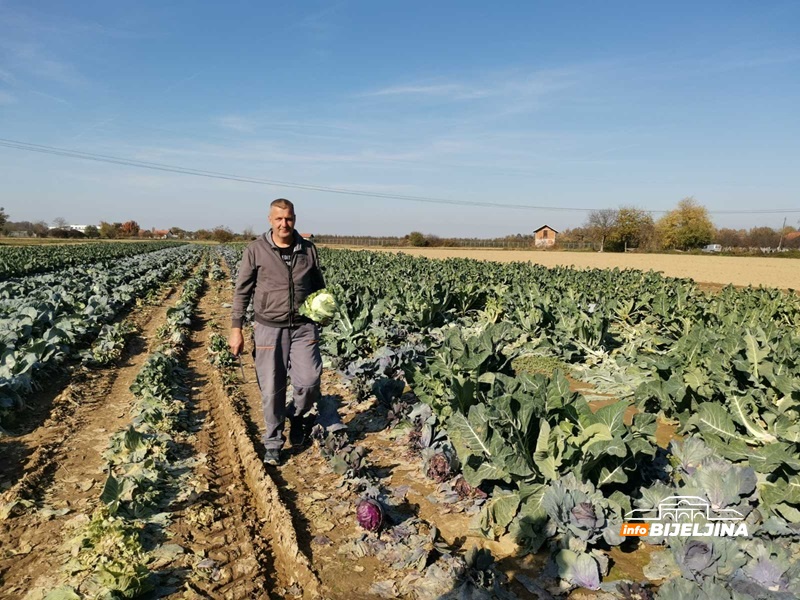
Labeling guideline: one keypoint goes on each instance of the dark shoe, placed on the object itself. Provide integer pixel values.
(300, 430)
(272, 457)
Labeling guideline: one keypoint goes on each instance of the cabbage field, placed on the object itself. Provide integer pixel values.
(486, 431)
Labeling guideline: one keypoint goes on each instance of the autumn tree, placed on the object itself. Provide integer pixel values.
(688, 226)
(221, 234)
(415, 238)
(108, 231)
(634, 228)
(763, 237)
(731, 238)
(129, 229)
(60, 223)
(602, 223)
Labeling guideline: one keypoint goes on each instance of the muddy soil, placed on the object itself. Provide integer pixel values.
(223, 525)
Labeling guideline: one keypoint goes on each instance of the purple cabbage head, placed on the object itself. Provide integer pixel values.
(369, 513)
(695, 559)
(584, 516)
(439, 468)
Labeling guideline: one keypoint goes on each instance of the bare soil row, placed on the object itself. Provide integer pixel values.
(218, 541)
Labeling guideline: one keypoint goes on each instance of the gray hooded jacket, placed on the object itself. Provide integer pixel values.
(278, 289)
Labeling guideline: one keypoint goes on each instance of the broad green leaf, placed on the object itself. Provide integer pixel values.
(788, 512)
(614, 447)
(545, 459)
(755, 355)
(597, 432)
(613, 471)
(767, 459)
(112, 490)
(470, 435)
(713, 418)
(511, 458)
(63, 593)
(739, 408)
(498, 512)
(613, 415)
(486, 471)
(732, 449)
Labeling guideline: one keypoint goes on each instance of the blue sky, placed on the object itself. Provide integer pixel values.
(578, 105)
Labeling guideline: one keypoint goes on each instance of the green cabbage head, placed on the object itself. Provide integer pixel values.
(320, 306)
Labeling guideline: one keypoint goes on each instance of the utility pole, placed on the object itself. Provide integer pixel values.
(780, 243)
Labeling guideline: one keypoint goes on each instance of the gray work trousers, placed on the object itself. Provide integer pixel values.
(282, 352)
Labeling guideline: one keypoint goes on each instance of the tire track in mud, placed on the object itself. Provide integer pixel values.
(228, 534)
(65, 470)
(251, 539)
(321, 510)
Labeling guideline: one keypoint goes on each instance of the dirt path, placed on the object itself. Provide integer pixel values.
(230, 537)
(781, 273)
(63, 473)
(219, 525)
(251, 537)
(320, 509)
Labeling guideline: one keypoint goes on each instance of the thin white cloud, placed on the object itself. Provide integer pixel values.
(450, 89)
(511, 90)
(51, 97)
(31, 59)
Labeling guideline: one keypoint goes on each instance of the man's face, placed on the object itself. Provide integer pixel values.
(282, 222)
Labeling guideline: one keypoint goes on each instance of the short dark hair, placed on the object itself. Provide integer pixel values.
(282, 203)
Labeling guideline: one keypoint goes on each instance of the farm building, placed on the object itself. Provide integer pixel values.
(792, 240)
(544, 236)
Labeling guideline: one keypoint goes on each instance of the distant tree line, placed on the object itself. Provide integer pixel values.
(686, 227)
(60, 228)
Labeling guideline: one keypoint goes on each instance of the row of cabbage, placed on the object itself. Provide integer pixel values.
(45, 319)
(559, 473)
(16, 261)
(149, 473)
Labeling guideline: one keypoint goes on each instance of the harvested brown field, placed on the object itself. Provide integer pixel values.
(720, 270)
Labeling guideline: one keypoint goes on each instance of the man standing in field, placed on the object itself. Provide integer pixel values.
(279, 270)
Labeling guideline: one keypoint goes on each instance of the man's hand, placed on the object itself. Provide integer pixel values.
(236, 341)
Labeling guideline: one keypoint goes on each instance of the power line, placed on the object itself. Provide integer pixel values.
(105, 158)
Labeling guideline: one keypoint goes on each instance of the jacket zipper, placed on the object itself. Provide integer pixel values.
(291, 282)
(291, 288)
